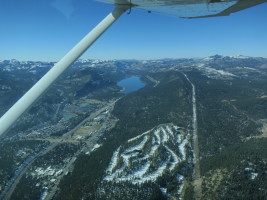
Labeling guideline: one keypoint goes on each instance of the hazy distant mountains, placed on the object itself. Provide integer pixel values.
(39, 66)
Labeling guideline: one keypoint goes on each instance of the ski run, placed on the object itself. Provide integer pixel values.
(149, 156)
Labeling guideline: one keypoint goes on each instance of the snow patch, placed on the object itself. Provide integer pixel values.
(175, 159)
(138, 146)
(182, 148)
(181, 180)
(165, 137)
(114, 161)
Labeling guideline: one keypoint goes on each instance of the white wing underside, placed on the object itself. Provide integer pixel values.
(189, 8)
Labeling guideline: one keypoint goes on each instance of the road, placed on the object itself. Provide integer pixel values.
(23, 170)
(89, 145)
(197, 179)
(153, 80)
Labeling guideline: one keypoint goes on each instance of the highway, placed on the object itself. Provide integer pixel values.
(198, 180)
(6, 194)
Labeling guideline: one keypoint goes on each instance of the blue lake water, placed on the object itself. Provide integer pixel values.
(68, 116)
(131, 84)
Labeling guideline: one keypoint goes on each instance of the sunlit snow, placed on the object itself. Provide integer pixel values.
(143, 158)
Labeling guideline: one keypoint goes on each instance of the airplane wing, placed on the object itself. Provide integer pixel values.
(190, 8)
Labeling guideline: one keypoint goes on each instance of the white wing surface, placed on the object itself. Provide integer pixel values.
(190, 8)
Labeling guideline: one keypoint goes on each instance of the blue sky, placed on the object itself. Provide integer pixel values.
(47, 29)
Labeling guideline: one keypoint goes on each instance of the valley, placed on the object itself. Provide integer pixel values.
(194, 124)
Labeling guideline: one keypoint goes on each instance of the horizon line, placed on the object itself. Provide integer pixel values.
(136, 59)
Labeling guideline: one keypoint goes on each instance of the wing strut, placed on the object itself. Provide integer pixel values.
(43, 84)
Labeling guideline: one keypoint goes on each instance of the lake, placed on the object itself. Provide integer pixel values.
(131, 84)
